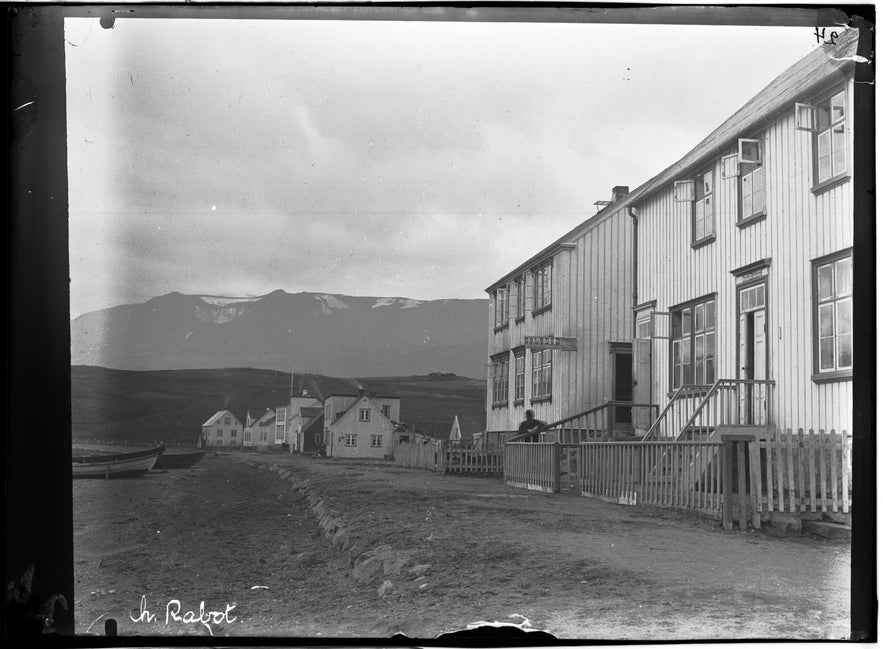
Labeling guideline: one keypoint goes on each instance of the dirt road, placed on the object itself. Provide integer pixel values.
(458, 550)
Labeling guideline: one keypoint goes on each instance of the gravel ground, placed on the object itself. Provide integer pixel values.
(453, 551)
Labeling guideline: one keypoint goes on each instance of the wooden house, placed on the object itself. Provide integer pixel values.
(221, 429)
(560, 325)
(360, 425)
(744, 260)
(262, 431)
(719, 292)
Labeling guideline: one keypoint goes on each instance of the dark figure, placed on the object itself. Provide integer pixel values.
(530, 425)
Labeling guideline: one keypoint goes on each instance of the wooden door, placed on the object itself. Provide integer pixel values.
(758, 364)
(642, 349)
(623, 386)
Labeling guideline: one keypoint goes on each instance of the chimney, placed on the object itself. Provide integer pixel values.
(620, 191)
(361, 392)
(304, 393)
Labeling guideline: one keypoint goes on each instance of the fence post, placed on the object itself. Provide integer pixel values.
(609, 413)
(556, 463)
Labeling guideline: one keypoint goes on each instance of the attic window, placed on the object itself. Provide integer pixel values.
(826, 119)
(364, 414)
(699, 192)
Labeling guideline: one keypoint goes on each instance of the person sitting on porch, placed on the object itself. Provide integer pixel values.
(530, 425)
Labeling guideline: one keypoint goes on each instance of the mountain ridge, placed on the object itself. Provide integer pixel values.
(325, 333)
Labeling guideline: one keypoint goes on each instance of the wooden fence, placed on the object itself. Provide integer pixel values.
(444, 457)
(468, 459)
(684, 475)
(803, 472)
(533, 465)
(416, 455)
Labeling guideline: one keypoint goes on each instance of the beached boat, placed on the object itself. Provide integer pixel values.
(106, 465)
(180, 460)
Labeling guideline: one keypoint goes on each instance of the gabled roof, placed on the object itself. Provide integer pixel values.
(269, 417)
(211, 421)
(798, 83)
(355, 404)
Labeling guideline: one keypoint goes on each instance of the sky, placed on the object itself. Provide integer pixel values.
(405, 159)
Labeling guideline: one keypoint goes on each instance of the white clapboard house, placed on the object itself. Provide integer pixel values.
(719, 292)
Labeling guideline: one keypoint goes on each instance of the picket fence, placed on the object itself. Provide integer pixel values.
(445, 457)
(533, 465)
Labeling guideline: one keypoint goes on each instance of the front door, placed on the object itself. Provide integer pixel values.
(641, 368)
(752, 354)
(622, 384)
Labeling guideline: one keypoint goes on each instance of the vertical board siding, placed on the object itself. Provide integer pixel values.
(591, 301)
(798, 228)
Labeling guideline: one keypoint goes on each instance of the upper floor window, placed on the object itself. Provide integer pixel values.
(518, 296)
(699, 193)
(280, 414)
(693, 343)
(501, 307)
(384, 410)
(827, 121)
(364, 414)
(227, 421)
(542, 282)
(220, 432)
(747, 165)
(541, 368)
(519, 376)
(500, 381)
(832, 295)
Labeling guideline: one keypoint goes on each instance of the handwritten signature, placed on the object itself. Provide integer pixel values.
(830, 39)
(174, 614)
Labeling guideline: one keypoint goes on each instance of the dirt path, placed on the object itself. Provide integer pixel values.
(574, 566)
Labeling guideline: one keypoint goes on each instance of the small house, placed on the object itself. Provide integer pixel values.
(221, 429)
(359, 425)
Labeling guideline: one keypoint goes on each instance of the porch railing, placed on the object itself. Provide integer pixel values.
(533, 465)
(685, 475)
(595, 423)
(701, 409)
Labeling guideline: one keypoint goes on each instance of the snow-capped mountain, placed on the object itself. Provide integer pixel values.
(334, 335)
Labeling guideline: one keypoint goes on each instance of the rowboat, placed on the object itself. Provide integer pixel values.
(180, 460)
(115, 464)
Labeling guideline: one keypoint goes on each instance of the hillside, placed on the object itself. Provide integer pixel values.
(331, 335)
(171, 405)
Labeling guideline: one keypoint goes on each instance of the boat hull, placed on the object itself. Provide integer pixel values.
(116, 465)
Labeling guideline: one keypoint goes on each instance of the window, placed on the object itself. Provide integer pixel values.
(227, 421)
(542, 278)
(280, 433)
(328, 413)
(541, 368)
(318, 438)
(233, 433)
(206, 430)
(500, 380)
(384, 410)
(519, 377)
(263, 436)
(220, 432)
(693, 344)
(280, 415)
(833, 316)
(364, 414)
(501, 307)
(644, 328)
(349, 440)
(752, 197)
(827, 121)
(246, 437)
(699, 192)
(519, 298)
(376, 441)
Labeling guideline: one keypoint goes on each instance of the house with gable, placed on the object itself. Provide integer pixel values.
(360, 425)
(221, 429)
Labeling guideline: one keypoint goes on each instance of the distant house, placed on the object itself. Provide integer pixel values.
(222, 429)
(312, 434)
(357, 425)
(262, 431)
(301, 410)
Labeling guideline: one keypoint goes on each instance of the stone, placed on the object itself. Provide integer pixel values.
(837, 517)
(828, 530)
(385, 587)
(393, 565)
(419, 568)
(367, 570)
